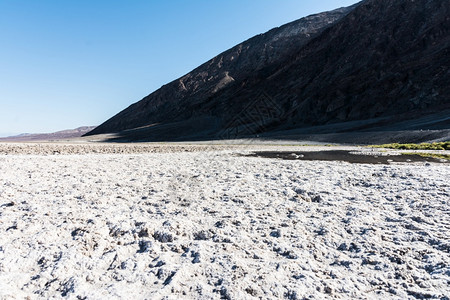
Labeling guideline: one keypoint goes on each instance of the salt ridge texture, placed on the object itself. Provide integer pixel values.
(204, 225)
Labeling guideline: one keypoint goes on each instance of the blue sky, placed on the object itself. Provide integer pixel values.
(65, 64)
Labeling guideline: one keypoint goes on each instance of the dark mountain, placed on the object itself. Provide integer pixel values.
(370, 65)
(63, 134)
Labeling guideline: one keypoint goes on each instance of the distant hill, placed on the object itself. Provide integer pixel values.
(64, 134)
(371, 65)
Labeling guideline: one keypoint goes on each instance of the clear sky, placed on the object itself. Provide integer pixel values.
(65, 64)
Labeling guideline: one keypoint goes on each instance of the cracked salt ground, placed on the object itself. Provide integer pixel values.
(216, 225)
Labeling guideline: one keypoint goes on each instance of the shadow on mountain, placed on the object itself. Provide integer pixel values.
(379, 69)
(429, 128)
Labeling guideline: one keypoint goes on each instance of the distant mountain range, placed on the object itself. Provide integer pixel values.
(64, 134)
(379, 64)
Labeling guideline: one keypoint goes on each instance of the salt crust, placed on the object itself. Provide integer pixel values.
(203, 225)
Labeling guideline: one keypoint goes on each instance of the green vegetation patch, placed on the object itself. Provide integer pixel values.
(422, 146)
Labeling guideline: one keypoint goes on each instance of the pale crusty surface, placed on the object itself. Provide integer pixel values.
(212, 224)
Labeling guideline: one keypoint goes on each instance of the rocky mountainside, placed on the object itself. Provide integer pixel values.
(382, 60)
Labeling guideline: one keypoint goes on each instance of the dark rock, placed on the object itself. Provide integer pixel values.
(342, 247)
(144, 246)
(165, 275)
(163, 237)
(316, 199)
(204, 92)
(160, 263)
(13, 227)
(291, 295)
(368, 261)
(169, 278)
(196, 256)
(143, 233)
(344, 263)
(289, 254)
(321, 231)
(67, 287)
(354, 248)
(202, 235)
(251, 291)
(224, 294)
(381, 60)
(219, 224)
(78, 232)
(420, 295)
(276, 233)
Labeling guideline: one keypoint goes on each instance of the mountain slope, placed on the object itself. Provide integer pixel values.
(386, 60)
(63, 134)
(231, 68)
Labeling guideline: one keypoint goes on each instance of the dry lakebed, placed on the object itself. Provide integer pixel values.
(166, 221)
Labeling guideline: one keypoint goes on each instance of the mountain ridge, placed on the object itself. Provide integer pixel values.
(180, 85)
(62, 134)
(374, 59)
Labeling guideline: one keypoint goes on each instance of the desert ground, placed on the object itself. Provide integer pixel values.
(181, 221)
